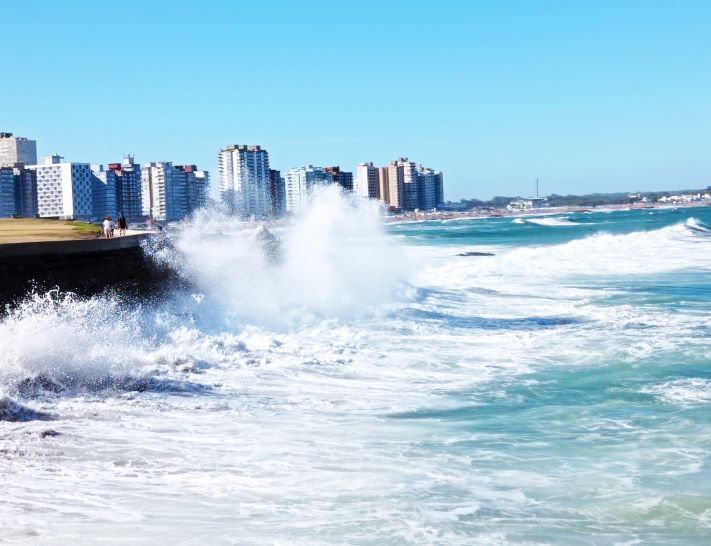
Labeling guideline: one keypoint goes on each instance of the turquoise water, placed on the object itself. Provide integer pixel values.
(376, 387)
(608, 434)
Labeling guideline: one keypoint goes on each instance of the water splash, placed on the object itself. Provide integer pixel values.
(334, 260)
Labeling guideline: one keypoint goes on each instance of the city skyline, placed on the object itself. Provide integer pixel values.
(600, 97)
(248, 187)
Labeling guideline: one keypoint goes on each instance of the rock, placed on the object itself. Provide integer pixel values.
(49, 433)
(14, 412)
(475, 253)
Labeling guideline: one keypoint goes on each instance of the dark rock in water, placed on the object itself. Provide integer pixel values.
(49, 433)
(475, 253)
(33, 386)
(14, 412)
(269, 243)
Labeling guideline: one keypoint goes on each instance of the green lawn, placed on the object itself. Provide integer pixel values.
(25, 230)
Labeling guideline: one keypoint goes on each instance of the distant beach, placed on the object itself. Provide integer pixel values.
(495, 213)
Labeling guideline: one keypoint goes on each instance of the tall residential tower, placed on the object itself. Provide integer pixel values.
(244, 180)
(16, 150)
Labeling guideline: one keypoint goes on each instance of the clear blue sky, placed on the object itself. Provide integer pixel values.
(586, 95)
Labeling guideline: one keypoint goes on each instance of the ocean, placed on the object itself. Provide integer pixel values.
(371, 385)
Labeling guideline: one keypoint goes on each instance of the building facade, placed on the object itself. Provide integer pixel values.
(162, 185)
(197, 183)
(17, 150)
(172, 192)
(277, 190)
(401, 184)
(64, 189)
(25, 191)
(103, 192)
(244, 180)
(8, 204)
(129, 193)
(367, 181)
(299, 182)
(342, 178)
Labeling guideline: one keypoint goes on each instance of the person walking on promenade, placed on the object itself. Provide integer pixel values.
(107, 227)
(113, 226)
(122, 224)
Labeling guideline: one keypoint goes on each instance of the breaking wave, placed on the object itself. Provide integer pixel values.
(694, 225)
(663, 250)
(683, 392)
(55, 342)
(334, 259)
(551, 222)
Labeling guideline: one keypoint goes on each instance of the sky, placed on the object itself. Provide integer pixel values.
(587, 96)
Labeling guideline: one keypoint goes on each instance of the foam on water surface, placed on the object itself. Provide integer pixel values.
(372, 387)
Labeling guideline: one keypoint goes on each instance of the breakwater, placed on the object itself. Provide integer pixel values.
(85, 267)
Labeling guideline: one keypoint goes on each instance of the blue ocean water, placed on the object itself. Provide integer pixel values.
(607, 434)
(379, 386)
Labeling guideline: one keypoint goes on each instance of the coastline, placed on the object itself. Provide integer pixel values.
(81, 266)
(503, 213)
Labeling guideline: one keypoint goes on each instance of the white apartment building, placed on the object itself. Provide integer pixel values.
(244, 180)
(14, 150)
(299, 183)
(164, 192)
(172, 192)
(64, 189)
(366, 184)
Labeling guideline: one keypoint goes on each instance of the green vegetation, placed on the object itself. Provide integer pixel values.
(84, 228)
(587, 200)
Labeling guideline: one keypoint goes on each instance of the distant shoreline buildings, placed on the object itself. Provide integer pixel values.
(55, 188)
(167, 192)
(401, 184)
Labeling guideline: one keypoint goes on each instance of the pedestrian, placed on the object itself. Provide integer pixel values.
(107, 227)
(122, 224)
(112, 226)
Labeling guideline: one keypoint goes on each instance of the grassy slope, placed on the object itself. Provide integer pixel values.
(26, 230)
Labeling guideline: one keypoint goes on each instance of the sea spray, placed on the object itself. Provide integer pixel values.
(334, 260)
(58, 341)
(468, 415)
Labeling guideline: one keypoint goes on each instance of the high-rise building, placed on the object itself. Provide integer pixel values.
(64, 189)
(244, 180)
(8, 204)
(172, 192)
(401, 184)
(300, 181)
(16, 150)
(427, 189)
(277, 190)
(25, 191)
(129, 194)
(164, 193)
(103, 192)
(439, 188)
(197, 183)
(342, 178)
(384, 184)
(366, 184)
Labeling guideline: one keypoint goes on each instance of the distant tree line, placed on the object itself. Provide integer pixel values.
(587, 200)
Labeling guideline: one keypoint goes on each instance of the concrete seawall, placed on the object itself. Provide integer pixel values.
(86, 267)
